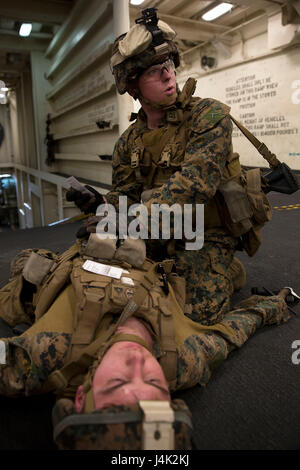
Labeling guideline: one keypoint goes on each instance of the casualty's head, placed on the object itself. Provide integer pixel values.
(143, 60)
(127, 373)
(123, 404)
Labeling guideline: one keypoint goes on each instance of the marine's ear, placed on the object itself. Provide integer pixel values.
(79, 399)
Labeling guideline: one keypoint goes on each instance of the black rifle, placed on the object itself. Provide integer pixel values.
(281, 179)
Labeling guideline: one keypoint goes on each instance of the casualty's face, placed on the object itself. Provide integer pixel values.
(128, 373)
(158, 82)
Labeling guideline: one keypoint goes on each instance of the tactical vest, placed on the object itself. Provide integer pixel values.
(103, 306)
(104, 303)
(239, 205)
(98, 304)
(154, 296)
(145, 292)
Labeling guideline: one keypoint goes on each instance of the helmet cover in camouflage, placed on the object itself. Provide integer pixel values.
(113, 428)
(135, 51)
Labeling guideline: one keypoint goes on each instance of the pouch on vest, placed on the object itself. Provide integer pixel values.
(54, 282)
(100, 248)
(93, 301)
(16, 302)
(238, 206)
(179, 287)
(244, 207)
(37, 267)
(131, 251)
(51, 288)
(11, 309)
(168, 361)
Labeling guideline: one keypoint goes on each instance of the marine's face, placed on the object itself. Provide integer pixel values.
(158, 82)
(128, 373)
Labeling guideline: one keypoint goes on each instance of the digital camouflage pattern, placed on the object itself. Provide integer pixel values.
(117, 436)
(195, 176)
(204, 157)
(31, 358)
(209, 284)
(201, 162)
(201, 354)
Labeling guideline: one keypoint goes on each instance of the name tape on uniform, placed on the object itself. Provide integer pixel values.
(2, 352)
(103, 269)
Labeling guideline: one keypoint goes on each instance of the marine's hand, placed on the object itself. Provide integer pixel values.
(89, 226)
(117, 226)
(87, 201)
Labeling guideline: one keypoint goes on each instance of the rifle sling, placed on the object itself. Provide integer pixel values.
(260, 146)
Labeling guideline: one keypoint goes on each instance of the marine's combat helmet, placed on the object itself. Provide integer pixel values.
(148, 42)
(146, 425)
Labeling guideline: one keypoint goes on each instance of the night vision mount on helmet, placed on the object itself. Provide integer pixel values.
(149, 42)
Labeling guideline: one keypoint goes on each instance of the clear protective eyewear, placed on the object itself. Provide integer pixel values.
(155, 72)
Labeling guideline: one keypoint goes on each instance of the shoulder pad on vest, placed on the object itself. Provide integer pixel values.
(207, 113)
(186, 94)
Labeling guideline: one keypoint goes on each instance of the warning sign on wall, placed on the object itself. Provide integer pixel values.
(265, 97)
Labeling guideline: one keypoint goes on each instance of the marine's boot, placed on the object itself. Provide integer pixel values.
(289, 296)
(237, 273)
(287, 293)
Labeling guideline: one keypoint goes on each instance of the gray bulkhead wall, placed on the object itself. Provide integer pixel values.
(6, 145)
(83, 100)
(72, 82)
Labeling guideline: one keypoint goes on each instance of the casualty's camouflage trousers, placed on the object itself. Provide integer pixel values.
(208, 350)
(209, 285)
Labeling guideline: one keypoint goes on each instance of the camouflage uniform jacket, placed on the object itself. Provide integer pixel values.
(42, 349)
(202, 161)
(197, 161)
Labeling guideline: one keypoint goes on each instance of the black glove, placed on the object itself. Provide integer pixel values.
(86, 202)
(90, 226)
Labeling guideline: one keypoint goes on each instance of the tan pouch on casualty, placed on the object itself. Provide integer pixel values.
(132, 251)
(37, 267)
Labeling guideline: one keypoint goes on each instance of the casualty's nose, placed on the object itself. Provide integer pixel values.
(136, 359)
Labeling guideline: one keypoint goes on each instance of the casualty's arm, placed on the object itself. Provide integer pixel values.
(27, 360)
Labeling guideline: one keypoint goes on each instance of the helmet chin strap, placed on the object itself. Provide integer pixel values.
(163, 105)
